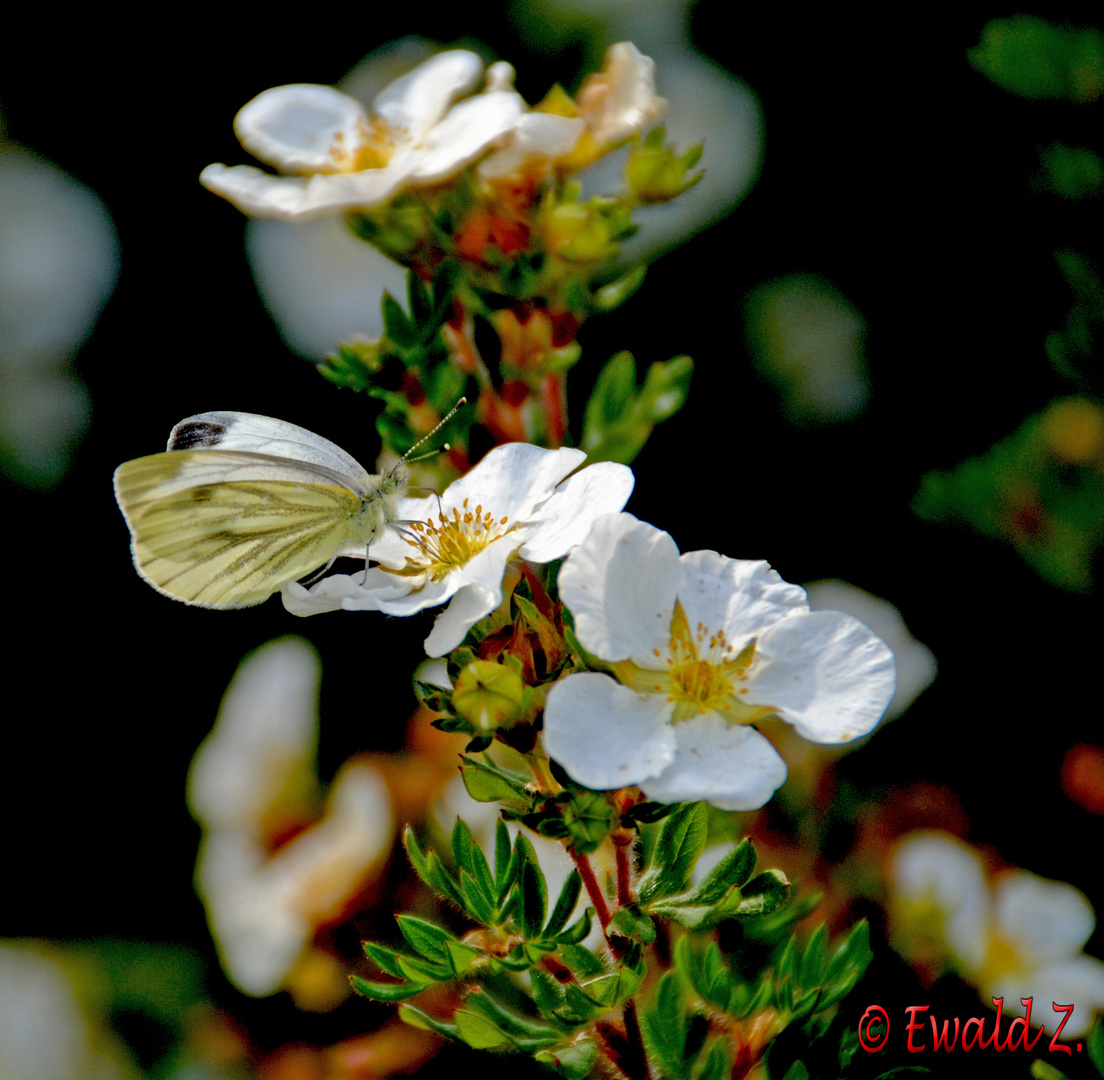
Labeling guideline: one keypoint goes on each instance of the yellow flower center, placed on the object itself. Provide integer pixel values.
(449, 542)
(704, 673)
(372, 149)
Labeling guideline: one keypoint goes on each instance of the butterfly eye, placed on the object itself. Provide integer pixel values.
(396, 479)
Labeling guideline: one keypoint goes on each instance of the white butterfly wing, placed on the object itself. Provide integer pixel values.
(253, 434)
(224, 528)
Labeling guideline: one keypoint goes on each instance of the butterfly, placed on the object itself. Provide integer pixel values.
(240, 504)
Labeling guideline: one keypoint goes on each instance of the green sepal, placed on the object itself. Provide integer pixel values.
(574, 1061)
(436, 698)
(589, 817)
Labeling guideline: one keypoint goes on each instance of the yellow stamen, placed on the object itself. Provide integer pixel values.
(448, 543)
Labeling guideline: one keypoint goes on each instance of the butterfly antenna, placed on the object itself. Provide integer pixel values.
(429, 435)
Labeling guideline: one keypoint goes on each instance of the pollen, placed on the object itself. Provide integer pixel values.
(703, 668)
(448, 543)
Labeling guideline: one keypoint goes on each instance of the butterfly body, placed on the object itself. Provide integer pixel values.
(240, 504)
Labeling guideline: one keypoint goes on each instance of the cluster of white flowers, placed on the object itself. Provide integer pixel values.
(700, 647)
(1019, 936)
(426, 127)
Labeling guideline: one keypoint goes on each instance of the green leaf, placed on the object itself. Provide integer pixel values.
(525, 1033)
(424, 937)
(565, 905)
(766, 892)
(383, 957)
(415, 1017)
(386, 991)
(734, 869)
(1035, 59)
(487, 782)
(575, 1061)
(715, 1065)
(578, 930)
(814, 960)
(423, 971)
(428, 867)
(1095, 1045)
(678, 846)
(534, 891)
(396, 324)
(664, 1027)
(479, 1032)
(618, 291)
(618, 418)
(797, 1071)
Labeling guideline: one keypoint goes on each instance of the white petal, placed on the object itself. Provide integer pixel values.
(620, 100)
(1078, 982)
(1051, 920)
(298, 198)
(620, 584)
(825, 673)
(469, 129)
(564, 520)
(344, 592)
(742, 597)
(729, 765)
(418, 100)
(264, 737)
(537, 137)
(302, 128)
(468, 606)
(935, 868)
(606, 735)
(915, 662)
(512, 480)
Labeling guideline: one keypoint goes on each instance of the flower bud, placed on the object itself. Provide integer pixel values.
(489, 695)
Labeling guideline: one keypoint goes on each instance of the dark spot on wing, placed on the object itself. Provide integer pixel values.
(197, 434)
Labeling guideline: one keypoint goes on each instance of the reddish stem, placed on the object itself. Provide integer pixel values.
(594, 890)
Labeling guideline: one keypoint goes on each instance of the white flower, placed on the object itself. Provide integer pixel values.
(702, 646)
(252, 778)
(518, 501)
(1019, 937)
(620, 100)
(335, 157)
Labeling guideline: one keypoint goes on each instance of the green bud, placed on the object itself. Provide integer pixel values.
(489, 695)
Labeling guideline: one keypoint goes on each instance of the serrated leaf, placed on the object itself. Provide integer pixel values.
(386, 991)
